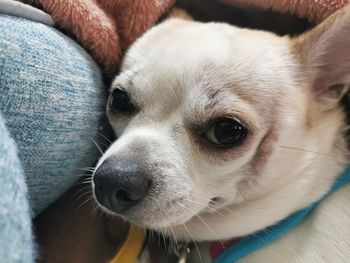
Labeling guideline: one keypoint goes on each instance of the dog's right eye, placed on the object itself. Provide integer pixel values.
(226, 132)
(120, 101)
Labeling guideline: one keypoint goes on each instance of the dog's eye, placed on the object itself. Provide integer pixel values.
(119, 101)
(226, 132)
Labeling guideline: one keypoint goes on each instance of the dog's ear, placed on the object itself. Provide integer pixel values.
(325, 56)
(180, 13)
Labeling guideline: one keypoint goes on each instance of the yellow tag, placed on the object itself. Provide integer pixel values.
(132, 246)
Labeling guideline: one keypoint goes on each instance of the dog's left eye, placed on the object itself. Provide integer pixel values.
(226, 132)
(120, 101)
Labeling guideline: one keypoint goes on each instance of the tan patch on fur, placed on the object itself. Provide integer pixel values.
(311, 112)
(263, 152)
(180, 13)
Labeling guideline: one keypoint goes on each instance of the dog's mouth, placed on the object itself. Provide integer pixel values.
(150, 203)
(156, 215)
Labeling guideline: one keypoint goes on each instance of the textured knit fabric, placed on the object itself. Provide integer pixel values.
(16, 8)
(15, 226)
(251, 243)
(52, 98)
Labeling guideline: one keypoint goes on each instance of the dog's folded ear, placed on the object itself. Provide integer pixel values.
(325, 56)
(177, 12)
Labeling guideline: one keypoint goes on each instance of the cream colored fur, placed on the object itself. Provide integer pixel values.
(182, 72)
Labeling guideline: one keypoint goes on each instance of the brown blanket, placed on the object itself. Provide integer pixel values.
(107, 27)
(314, 10)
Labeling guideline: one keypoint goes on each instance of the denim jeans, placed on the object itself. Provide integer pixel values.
(51, 108)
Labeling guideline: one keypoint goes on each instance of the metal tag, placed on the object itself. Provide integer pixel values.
(183, 254)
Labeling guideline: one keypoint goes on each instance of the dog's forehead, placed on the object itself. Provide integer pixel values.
(185, 45)
(179, 59)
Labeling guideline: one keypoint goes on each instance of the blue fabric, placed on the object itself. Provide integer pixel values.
(52, 102)
(15, 225)
(254, 242)
(52, 98)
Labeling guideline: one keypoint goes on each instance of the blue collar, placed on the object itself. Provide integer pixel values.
(251, 243)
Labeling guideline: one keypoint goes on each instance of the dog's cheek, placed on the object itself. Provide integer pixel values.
(263, 153)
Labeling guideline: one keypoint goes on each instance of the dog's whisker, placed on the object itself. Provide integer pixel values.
(95, 210)
(84, 192)
(83, 180)
(87, 169)
(104, 144)
(211, 204)
(150, 236)
(154, 236)
(82, 195)
(305, 150)
(82, 176)
(104, 137)
(206, 200)
(85, 188)
(210, 229)
(173, 240)
(88, 179)
(216, 209)
(100, 211)
(204, 223)
(199, 203)
(87, 182)
(164, 235)
(225, 208)
(98, 147)
(87, 201)
(194, 241)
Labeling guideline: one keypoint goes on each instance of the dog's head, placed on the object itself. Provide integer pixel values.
(223, 130)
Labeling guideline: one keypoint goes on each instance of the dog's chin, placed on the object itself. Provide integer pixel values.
(155, 223)
(159, 221)
(153, 220)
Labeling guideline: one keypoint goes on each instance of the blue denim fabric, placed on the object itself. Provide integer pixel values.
(52, 101)
(52, 98)
(15, 226)
(52, 104)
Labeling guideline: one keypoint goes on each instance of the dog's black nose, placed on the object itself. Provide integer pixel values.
(120, 185)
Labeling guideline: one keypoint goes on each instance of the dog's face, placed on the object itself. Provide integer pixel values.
(218, 132)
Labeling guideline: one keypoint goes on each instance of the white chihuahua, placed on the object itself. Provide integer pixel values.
(224, 131)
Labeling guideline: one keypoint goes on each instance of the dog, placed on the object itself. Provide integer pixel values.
(224, 131)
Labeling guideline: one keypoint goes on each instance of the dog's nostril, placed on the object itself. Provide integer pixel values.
(122, 196)
(121, 200)
(149, 185)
